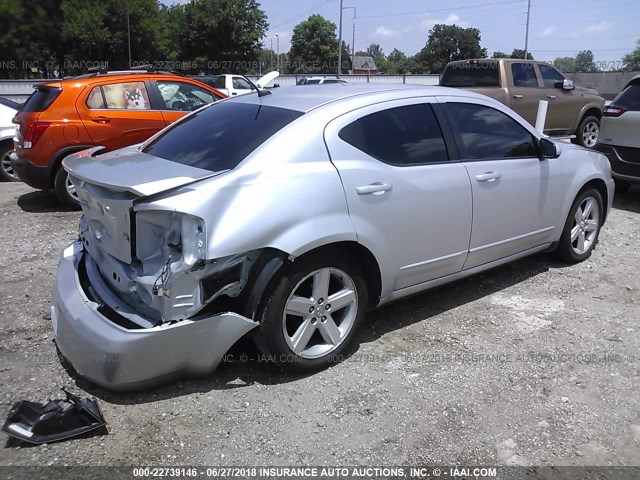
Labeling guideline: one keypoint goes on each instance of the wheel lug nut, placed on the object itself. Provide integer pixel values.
(327, 306)
(323, 319)
(314, 320)
(320, 301)
(311, 309)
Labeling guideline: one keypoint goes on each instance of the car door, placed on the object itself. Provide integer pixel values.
(564, 105)
(525, 91)
(176, 98)
(410, 205)
(241, 85)
(119, 114)
(516, 195)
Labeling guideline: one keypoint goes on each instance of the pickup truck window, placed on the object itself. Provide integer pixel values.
(486, 133)
(472, 75)
(524, 75)
(550, 76)
(240, 83)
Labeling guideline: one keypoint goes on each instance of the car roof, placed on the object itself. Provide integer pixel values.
(315, 96)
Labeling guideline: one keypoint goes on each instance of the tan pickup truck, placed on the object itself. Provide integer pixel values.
(521, 84)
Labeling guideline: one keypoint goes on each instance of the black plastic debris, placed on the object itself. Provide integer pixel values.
(54, 421)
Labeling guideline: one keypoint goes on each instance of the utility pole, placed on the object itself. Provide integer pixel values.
(526, 36)
(129, 32)
(340, 40)
(353, 43)
(278, 53)
(271, 53)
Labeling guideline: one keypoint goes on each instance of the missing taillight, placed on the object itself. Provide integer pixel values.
(33, 133)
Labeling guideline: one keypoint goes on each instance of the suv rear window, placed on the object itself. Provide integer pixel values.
(471, 75)
(41, 99)
(629, 98)
(221, 136)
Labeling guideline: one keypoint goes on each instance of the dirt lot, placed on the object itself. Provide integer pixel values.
(535, 363)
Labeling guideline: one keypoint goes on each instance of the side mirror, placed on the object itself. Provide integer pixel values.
(549, 149)
(565, 85)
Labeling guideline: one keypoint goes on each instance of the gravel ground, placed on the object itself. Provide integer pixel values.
(534, 363)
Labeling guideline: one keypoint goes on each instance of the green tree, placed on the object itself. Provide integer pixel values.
(314, 47)
(447, 43)
(30, 37)
(398, 63)
(584, 62)
(223, 34)
(632, 60)
(565, 64)
(500, 55)
(519, 53)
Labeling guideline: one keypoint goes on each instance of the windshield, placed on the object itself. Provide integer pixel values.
(221, 136)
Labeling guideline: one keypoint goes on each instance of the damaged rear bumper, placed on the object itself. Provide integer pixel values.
(123, 359)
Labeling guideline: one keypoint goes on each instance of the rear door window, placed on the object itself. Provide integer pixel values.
(399, 136)
(121, 96)
(219, 137)
(524, 75)
(41, 99)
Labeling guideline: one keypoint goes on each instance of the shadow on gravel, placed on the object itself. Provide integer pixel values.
(41, 202)
(629, 200)
(246, 366)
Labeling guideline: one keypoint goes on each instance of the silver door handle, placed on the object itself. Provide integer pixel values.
(552, 97)
(375, 188)
(516, 95)
(488, 177)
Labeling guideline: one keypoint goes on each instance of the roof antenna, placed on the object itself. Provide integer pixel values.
(264, 93)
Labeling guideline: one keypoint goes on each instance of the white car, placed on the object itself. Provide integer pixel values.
(233, 85)
(320, 81)
(619, 138)
(8, 110)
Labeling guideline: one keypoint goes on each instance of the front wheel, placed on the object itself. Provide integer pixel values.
(581, 230)
(588, 132)
(65, 190)
(312, 314)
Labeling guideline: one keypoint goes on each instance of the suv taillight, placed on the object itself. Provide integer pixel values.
(33, 133)
(613, 111)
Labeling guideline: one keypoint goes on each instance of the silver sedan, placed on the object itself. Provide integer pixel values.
(290, 214)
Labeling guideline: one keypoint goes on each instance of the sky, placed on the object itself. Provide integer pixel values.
(558, 28)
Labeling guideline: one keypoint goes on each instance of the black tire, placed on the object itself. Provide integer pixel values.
(622, 186)
(584, 138)
(7, 173)
(566, 250)
(60, 187)
(270, 335)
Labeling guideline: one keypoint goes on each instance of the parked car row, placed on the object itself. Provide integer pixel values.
(112, 110)
(8, 110)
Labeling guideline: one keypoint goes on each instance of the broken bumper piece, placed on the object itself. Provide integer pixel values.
(126, 359)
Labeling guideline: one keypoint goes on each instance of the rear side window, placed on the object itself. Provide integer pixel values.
(221, 136)
(41, 99)
(471, 75)
(524, 75)
(129, 96)
(486, 133)
(399, 136)
(629, 98)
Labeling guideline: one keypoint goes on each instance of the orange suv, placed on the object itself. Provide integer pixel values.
(113, 109)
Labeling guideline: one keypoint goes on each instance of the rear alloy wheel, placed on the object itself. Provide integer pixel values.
(312, 314)
(588, 132)
(7, 173)
(65, 190)
(581, 230)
